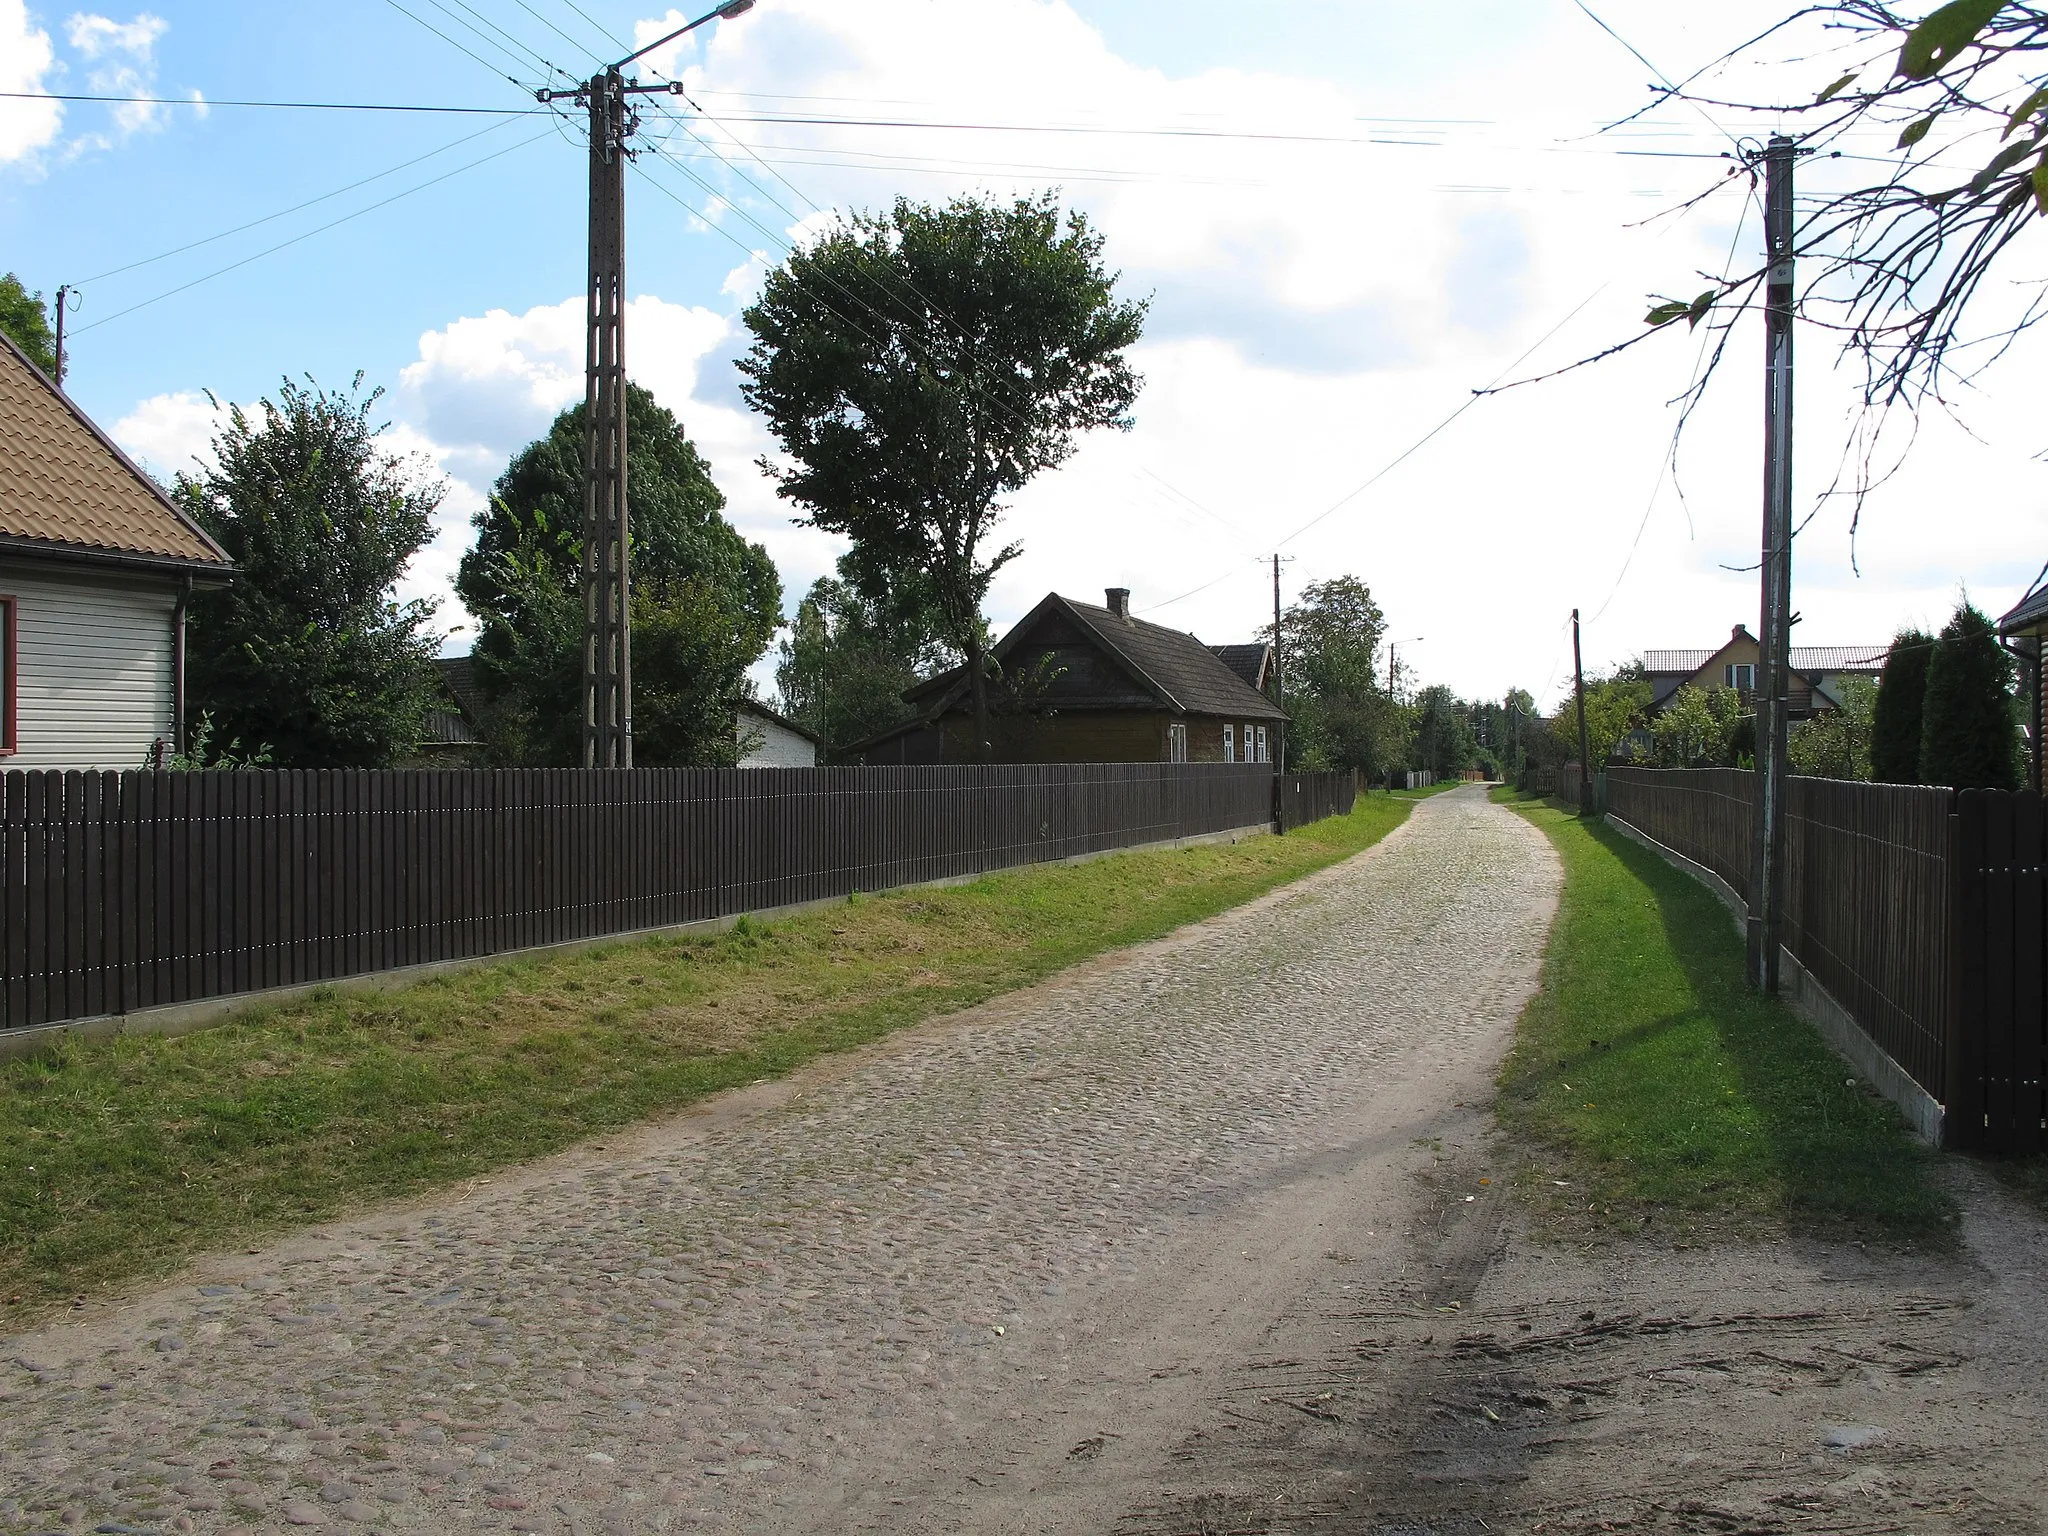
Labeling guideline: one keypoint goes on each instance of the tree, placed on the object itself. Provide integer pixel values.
(27, 323)
(1444, 742)
(1895, 717)
(1340, 716)
(918, 366)
(704, 606)
(1969, 738)
(852, 650)
(1697, 729)
(1615, 709)
(306, 652)
(1836, 744)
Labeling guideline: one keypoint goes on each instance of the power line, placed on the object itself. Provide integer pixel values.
(300, 106)
(192, 245)
(307, 235)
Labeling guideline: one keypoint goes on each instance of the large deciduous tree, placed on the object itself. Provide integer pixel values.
(1444, 739)
(307, 651)
(705, 602)
(918, 366)
(1836, 743)
(1697, 729)
(1340, 716)
(27, 323)
(1616, 707)
(1969, 738)
(856, 644)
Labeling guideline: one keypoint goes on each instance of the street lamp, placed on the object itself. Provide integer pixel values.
(1394, 660)
(607, 575)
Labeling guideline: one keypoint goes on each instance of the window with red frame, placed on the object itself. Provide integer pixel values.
(7, 742)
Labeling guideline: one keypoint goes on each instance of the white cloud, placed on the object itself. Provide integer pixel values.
(170, 435)
(122, 56)
(664, 59)
(26, 62)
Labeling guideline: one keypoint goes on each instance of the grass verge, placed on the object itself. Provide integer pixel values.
(1653, 1089)
(120, 1158)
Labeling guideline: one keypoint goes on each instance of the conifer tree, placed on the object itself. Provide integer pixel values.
(1895, 722)
(1968, 736)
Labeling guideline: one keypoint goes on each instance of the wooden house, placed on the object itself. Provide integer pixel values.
(1074, 683)
(96, 566)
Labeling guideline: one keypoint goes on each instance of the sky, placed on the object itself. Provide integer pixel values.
(1346, 216)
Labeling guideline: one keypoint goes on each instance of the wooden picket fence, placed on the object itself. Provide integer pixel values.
(128, 891)
(1920, 911)
(1300, 798)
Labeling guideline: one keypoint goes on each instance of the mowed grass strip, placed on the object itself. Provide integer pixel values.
(1665, 1095)
(120, 1158)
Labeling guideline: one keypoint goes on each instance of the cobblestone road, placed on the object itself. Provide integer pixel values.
(856, 1300)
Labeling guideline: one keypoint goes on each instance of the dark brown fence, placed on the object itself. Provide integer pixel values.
(1703, 813)
(2002, 1054)
(135, 890)
(1869, 902)
(1301, 798)
(1920, 910)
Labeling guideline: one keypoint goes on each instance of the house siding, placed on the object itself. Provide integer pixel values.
(778, 747)
(93, 672)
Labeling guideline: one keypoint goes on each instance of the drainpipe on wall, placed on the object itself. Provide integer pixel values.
(178, 666)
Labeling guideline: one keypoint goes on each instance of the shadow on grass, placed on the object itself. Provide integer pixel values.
(1672, 1091)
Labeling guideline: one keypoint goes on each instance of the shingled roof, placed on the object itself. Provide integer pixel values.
(1179, 671)
(65, 488)
(1247, 661)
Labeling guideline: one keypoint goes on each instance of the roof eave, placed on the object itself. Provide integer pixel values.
(206, 573)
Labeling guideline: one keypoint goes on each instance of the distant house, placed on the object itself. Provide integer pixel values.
(96, 566)
(769, 740)
(1082, 684)
(1818, 671)
(452, 734)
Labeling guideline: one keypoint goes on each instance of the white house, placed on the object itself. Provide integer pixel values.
(96, 566)
(769, 740)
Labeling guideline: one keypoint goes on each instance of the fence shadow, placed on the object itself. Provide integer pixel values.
(1832, 1150)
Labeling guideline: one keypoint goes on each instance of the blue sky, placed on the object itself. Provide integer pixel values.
(1317, 306)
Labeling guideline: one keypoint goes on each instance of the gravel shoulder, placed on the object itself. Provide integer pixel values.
(1198, 1237)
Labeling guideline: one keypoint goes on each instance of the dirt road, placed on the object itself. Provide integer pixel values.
(1199, 1238)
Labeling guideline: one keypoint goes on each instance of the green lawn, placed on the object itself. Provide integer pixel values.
(1652, 1088)
(1423, 794)
(121, 1158)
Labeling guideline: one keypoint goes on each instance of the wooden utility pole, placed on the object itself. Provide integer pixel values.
(1279, 676)
(607, 543)
(1774, 629)
(64, 292)
(1585, 754)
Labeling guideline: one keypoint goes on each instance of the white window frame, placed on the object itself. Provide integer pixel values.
(1230, 743)
(1740, 675)
(1177, 741)
(10, 675)
(1263, 757)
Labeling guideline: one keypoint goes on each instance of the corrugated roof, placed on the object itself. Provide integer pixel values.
(1805, 658)
(64, 483)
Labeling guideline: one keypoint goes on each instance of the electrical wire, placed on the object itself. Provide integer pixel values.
(193, 245)
(308, 234)
(305, 106)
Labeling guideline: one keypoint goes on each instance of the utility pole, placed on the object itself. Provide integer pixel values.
(1774, 630)
(64, 292)
(1585, 753)
(607, 564)
(1279, 675)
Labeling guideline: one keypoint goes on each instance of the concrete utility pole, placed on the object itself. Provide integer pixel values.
(607, 566)
(1585, 753)
(1774, 629)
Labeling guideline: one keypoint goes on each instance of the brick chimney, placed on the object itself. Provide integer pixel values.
(1119, 602)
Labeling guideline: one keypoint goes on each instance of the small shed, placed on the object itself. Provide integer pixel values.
(770, 740)
(96, 567)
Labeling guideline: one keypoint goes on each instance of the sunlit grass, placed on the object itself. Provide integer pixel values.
(1658, 1088)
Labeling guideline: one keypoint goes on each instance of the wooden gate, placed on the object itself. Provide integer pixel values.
(2001, 1074)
